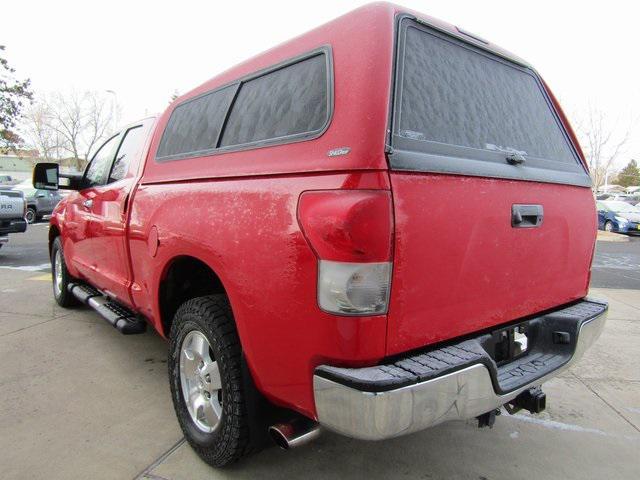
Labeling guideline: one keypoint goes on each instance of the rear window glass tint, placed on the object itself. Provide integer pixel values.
(289, 101)
(195, 125)
(452, 94)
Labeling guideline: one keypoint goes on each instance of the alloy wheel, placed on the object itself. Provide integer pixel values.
(57, 273)
(200, 381)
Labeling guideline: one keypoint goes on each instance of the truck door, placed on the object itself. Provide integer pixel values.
(52, 201)
(109, 213)
(42, 202)
(76, 233)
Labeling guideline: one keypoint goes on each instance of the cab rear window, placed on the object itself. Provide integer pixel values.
(457, 101)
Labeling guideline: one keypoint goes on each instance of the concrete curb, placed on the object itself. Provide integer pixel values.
(611, 237)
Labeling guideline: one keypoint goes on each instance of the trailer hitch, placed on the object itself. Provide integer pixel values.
(534, 400)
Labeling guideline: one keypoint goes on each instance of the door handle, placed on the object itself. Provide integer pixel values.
(88, 204)
(526, 216)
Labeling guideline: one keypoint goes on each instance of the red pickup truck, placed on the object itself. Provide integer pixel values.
(381, 225)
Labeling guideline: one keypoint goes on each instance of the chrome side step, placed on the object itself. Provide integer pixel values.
(124, 320)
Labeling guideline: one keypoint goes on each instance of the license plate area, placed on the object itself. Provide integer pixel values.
(509, 343)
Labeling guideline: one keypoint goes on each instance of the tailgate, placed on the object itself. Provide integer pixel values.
(460, 266)
(11, 205)
(477, 146)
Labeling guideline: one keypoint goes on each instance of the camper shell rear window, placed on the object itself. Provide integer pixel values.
(461, 109)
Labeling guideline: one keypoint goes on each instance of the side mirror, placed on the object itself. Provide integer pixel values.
(46, 176)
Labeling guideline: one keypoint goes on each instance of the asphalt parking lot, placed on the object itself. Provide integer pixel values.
(79, 400)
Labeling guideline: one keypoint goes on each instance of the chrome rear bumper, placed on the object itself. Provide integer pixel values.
(461, 394)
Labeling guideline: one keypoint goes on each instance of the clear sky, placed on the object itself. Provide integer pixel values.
(145, 50)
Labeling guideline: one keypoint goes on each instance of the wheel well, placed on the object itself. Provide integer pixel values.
(53, 233)
(186, 278)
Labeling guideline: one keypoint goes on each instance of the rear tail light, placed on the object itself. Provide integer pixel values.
(351, 233)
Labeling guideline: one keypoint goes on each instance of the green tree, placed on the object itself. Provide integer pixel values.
(14, 94)
(629, 176)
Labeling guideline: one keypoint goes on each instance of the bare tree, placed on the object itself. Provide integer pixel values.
(82, 121)
(602, 142)
(67, 122)
(99, 121)
(40, 132)
(63, 125)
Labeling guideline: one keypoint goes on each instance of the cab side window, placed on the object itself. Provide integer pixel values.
(130, 146)
(97, 172)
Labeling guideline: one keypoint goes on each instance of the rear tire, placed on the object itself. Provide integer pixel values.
(30, 216)
(221, 437)
(608, 226)
(60, 276)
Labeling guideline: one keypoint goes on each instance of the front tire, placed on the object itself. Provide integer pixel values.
(205, 375)
(61, 277)
(608, 226)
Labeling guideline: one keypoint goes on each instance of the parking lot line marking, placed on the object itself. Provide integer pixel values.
(568, 427)
(28, 268)
(42, 278)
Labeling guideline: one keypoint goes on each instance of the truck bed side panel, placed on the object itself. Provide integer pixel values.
(247, 232)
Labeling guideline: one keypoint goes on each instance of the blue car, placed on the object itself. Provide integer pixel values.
(618, 216)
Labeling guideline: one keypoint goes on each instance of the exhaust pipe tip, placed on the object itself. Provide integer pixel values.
(277, 435)
(295, 433)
